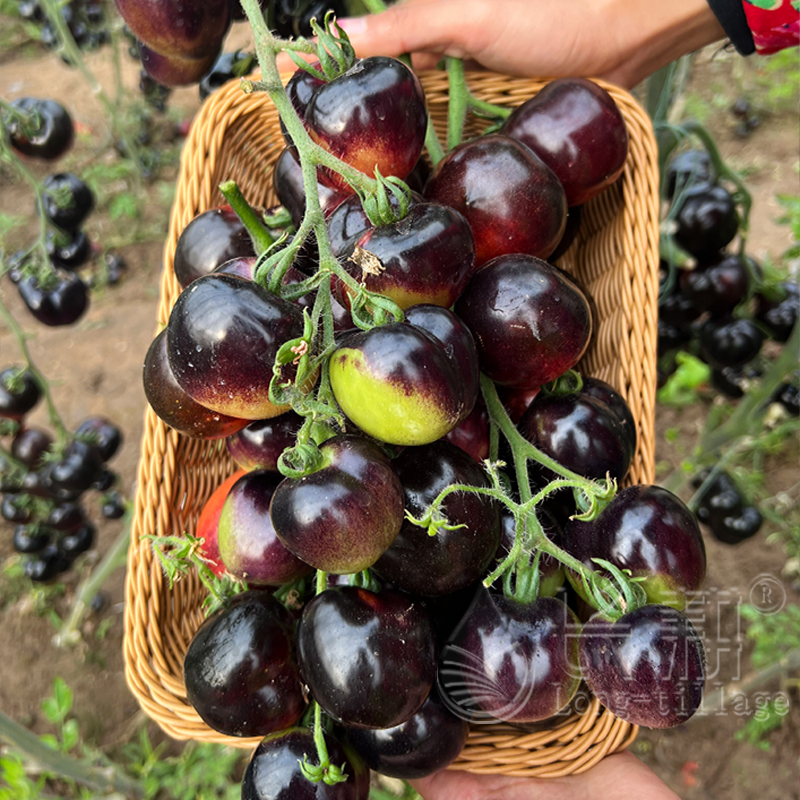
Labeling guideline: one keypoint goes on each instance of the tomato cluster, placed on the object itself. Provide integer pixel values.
(393, 359)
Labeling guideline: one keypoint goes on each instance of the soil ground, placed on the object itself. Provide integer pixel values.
(94, 368)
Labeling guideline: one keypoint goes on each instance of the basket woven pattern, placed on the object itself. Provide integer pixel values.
(237, 136)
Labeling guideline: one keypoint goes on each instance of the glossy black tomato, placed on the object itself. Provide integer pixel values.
(688, 169)
(19, 392)
(105, 479)
(580, 432)
(735, 529)
(66, 517)
(372, 116)
(472, 433)
(102, 434)
(227, 67)
(61, 298)
(648, 667)
(426, 257)
(46, 564)
(509, 660)
(452, 559)
(222, 338)
(734, 382)
(73, 544)
(210, 239)
(344, 515)
(70, 252)
(530, 322)
(29, 445)
(512, 201)
(779, 313)
(718, 286)
(675, 309)
(155, 94)
(248, 544)
(788, 395)
(649, 531)
(427, 742)
(31, 538)
(400, 384)
(14, 508)
(67, 200)
(606, 393)
(273, 772)
(260, 444)
(49, 132)
(706, 220)
(577, 129)
(729, 342)
(240, 669)
(368, 659)
(175, 70)
(78, 468)
(174, 406)
(113, 506)
(672, 337)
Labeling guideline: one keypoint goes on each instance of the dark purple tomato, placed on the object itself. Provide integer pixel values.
(73, 544)
(155, 94)
(399, 384)
(260, 444)
(343, 516)
(19, 392)
(14, 508)
(66, 517)
(512, 661)
(29, 445)
(105, 480)
(734, 382)
(46, 564)
(287, 180)
(718, 286)
(580, 432)
(241, 671)
(174, 406)
(452, 559)
(78, 468)
(677, 310)
(71, 253)
(576, 128)
(175, 70)
(472, 434)
(30, 538)
(59, 299)
(67, 200)
(649, 531)
(788, 395)
(687, 169)
(113, 506)
(779, 315)
(102, 434)
(273, 772)
(735, 529)
(290, 19)
(729, 342)
(51, 125)
(648, 667)
(248, 545)
(706, 220)
(570, 234)
(372, 117)
(606, 393)
(210, 239)
(222, 338)
(530, 322)
(512, 201)
(227, 67)
(368, 659)
(719, 499)
(672, 337)
(427, 742)
(191, 28)
(426, 257)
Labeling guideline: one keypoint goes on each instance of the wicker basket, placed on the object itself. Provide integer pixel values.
(236, 136)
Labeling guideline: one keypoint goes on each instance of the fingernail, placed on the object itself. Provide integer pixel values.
(354, 25)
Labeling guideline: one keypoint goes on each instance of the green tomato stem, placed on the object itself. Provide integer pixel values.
(458, 102)
(262, 240)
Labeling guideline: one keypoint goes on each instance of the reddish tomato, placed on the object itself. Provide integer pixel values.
(208, 523)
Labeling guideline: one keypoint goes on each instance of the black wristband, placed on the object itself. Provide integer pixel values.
(730, 14)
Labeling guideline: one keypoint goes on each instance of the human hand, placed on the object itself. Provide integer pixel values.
(620, 40)
(618, 777)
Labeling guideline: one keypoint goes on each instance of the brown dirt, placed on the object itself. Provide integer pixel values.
(95, 368)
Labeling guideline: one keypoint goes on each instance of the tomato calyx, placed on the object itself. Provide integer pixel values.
(334, 51)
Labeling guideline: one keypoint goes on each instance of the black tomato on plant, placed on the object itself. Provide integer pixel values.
(452, 559)
(29, 445)
(511, 199)
(341, 517)
(67, 200)
(248, 544)
(273, 772)
(102, 434)
(718, 286)
(174, 406)
(68, 253)
(66, 517)
(511, 660)
(368, 659)
(73, 544)
(675, 309)
(689, 168)
(222, 338)
(241, 671)
(576, 128)
(706, 220)
(30, 538)
(649, 531)
(260, 444)
(226, 68)
(19, 392)
(606, 393)
(60, 299)
(14, 509)
(113, 506)
(735, 529)
(105, 479)
(78, 468)
(672, 337)
(779, 314)
(46, 564)
(51, 131)
(531, 323)
(427, 742)
(734, 382)
(788, 395)
(729, 342)
(648, 667)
